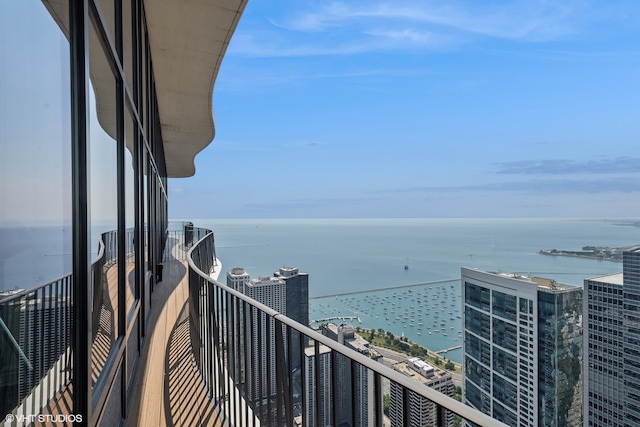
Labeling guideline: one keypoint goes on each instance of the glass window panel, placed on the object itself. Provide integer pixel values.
(35, 171)
(143, 108)
(103, 205)
(35, 203)
(127, 44)
(129, 183)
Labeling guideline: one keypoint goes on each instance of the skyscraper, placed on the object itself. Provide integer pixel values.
(297, 293)
(318, 386)
(237, 279)
(603, 361)
(345, 334)
(422, 411)
(271, 292)
(297, 306)
(522, 348)
(612, 337)
(631, 339)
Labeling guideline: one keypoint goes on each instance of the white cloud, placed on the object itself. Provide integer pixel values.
(344, 28)
(530, 20)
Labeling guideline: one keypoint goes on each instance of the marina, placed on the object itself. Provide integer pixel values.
(428, 314)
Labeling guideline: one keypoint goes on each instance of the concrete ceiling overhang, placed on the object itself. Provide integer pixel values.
(188, 40)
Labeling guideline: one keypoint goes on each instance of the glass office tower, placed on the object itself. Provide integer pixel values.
(612, 337)
(522, 348)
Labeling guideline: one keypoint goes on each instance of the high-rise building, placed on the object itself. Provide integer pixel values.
(297, 307)
(422, 411)
(287, 292)
(631, 339)
(271, 292)
(604, 355)
(318, 386)
(345, 334)
(612, 340)
(237, 279)
(297, 293)
(522, 348)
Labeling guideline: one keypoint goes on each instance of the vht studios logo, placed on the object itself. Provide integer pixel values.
(43, 418)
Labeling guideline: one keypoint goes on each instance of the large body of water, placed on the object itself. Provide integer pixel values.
(361, 256)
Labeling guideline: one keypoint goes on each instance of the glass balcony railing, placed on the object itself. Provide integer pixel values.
(262, 368)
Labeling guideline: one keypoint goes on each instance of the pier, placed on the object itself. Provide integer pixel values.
(446, 350)
(327, 319)
(388, 288)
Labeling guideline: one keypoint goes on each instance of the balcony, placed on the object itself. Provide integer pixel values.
(225, 358)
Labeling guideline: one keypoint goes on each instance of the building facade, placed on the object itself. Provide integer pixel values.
(522, 348)
(422, 412)
(297, 293)
(350, 407)
(604, 351)
(318, 367)
(237, 279)
(631, 332)
(271, 292)
(297, 306)
(101, 103)
(612, 341)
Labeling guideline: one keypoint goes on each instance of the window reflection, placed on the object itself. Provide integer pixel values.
(103, 206)
(35, 204)
(130, 273)
(35, 178)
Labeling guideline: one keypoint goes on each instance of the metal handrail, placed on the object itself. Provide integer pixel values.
(441, 400)
(21, 293)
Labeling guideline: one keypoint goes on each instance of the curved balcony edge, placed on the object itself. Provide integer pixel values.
(214, 308)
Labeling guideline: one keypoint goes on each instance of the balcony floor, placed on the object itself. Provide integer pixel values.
(168, 389)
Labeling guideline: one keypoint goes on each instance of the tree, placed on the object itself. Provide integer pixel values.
(449, 366)
(386, 404)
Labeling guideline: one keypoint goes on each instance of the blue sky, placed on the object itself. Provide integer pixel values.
(424, 109)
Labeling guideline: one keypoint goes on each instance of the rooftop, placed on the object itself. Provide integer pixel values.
(543, 283)
(614, 279)
(354, 340)
(265, 281)
(237, 271)
(416, 368)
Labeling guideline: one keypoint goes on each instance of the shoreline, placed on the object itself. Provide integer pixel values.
(573, 255)
(387, 288)
(431, 356)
